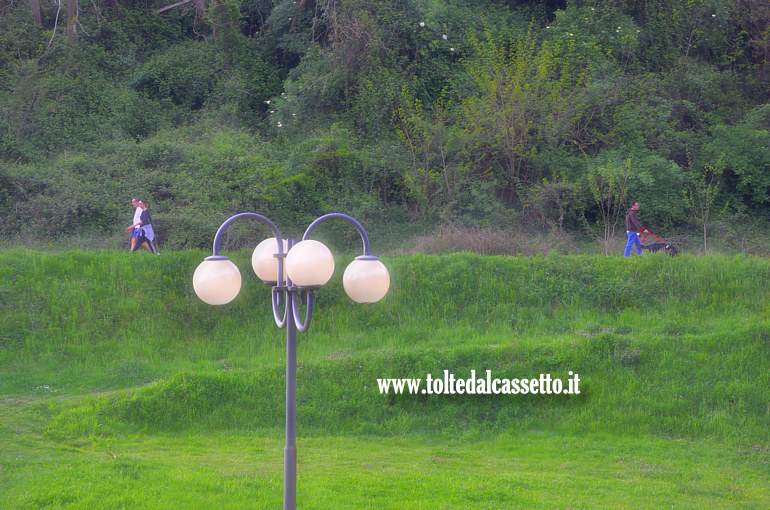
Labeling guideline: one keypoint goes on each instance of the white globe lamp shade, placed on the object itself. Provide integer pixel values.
(309, 264)
(217, 281)
(265, 263)
(366, 280)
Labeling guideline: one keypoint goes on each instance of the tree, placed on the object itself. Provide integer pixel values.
(72, 19)
(429, 138)
(609, 188)
(523, 89)
(702, 194)
(676, 32)
(754, 19)
(745, 159)
(34, 7)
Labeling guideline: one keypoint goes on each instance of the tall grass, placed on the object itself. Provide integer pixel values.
(677, 347)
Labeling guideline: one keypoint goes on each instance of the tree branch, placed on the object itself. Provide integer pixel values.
(172, 6)
(55, 24)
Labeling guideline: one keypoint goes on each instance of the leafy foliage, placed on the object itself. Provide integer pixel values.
(525, 90)
(485, 113)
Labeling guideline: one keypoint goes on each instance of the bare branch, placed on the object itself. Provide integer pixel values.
(55, 23)
(172, 6)
(77, 21)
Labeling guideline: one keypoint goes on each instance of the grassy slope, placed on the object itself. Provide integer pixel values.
(117, 384)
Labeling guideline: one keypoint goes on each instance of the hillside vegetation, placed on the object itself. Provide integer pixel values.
(119, 387)
(542, 115)
(672, 347)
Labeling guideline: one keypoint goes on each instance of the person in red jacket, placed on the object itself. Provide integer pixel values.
(633, 229)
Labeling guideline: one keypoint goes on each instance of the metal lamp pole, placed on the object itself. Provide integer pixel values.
(290, 295)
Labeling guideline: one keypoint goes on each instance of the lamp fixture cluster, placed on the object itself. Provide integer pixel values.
(307, 265)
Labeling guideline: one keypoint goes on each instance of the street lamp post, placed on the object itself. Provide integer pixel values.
(295, 271)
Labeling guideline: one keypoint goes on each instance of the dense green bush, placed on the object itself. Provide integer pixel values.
(184, 75)
(487, 114)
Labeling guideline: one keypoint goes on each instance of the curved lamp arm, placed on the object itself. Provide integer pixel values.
(263, 219)
(366, 279)
(302, 325)
(277, 291)
(276, 296)
(353, 221)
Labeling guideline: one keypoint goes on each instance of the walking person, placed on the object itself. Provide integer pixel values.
(633, 229)
(133, 227)
(146, 237)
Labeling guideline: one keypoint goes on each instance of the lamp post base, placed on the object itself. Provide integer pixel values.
(290, 478)
(290, 451)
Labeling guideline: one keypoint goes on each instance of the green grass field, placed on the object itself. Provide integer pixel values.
(119, 389)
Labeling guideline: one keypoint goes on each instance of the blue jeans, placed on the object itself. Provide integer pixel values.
(633, 239)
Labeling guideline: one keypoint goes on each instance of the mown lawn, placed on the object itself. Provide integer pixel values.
(523, 470)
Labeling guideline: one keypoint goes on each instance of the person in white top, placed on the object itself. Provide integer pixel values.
(146, 233)
(134, 227)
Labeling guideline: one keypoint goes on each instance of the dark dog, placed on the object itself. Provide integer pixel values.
(667, 247)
